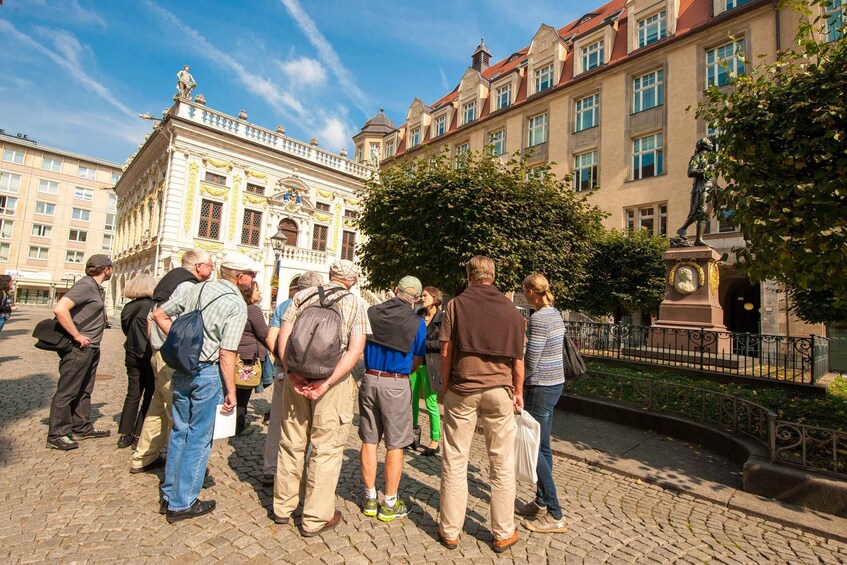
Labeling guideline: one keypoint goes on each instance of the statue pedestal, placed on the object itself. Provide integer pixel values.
(691, 299)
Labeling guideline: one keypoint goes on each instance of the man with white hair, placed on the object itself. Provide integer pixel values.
(196, 396)
(319, 411)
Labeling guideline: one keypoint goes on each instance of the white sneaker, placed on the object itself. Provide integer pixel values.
(546, 525)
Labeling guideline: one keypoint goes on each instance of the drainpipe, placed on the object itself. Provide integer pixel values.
(778, 25)
(164, 199)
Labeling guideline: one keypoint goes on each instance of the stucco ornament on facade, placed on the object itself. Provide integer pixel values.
(193, 169)
(253, 199)
(255, 174)
(233, 207)
(215, 191)
(218, 164)
(324, 193)
(208, 246)
(336, 226)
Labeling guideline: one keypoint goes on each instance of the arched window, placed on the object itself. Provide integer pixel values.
(289, 228)
(294, 287)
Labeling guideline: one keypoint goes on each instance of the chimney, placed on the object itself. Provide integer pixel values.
(481, 57)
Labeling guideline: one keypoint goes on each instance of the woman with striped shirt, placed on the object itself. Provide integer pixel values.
(545, 377)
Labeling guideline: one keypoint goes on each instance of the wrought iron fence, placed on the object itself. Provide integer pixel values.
(809, 447)
(773, 357)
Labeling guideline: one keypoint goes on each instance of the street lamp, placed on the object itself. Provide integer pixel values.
(278, 241)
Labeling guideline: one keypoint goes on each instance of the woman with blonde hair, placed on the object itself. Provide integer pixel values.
(544, 379)
(139, 370)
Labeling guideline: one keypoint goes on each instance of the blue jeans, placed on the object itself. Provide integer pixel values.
(195, 400)
(540, 401)
(2, 322)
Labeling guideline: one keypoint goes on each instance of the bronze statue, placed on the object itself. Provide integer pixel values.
(702, 169)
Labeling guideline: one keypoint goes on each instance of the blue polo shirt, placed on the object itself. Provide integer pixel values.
(276, 317)
(381, 358)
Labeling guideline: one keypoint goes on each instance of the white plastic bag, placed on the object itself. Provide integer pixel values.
(527, 444)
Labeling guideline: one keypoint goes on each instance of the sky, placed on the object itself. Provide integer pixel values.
(75, 74)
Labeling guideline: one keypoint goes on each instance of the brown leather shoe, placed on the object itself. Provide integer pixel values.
(501, 545)
(448, 543)
(281, 519)
(336, 518)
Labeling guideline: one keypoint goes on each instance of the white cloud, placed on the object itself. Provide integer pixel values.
(334, 134)
(70, 64)
(304, 72)
(65, 11)
(64, 42)
(444, 84)
(327, 54)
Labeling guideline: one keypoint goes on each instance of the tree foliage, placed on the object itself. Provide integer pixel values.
(782, 152)
(427, 217)
(625, 273)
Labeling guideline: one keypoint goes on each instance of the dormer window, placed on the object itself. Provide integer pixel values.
(652, 29)
(504, 96)
(544, 78)
(592, 56)
(440, 125)
(389, 148)
(415, 137)
(468, 113)
(730, 4)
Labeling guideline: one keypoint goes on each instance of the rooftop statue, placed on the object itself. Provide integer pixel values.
(185, 83)
(701, 168)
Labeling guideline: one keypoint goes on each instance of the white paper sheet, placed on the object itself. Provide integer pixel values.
(224, 424)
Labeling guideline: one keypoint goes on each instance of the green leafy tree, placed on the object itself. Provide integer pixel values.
(625, 273)
(782, 153)
(428, 216)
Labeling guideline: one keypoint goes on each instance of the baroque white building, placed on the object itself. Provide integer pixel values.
(204, 179)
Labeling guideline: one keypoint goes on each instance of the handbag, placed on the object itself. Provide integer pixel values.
(248, 376)
(52, 336)
(572, 360)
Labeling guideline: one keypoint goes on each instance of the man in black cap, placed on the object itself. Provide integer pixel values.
(82, 313)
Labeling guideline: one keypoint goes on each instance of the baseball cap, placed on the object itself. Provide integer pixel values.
(410, 282)
(239, 262)
(344, 270)
(99, 261)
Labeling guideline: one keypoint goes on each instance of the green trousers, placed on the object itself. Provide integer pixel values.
(419, 381)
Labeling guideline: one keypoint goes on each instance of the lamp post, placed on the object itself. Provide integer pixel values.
(278, 242)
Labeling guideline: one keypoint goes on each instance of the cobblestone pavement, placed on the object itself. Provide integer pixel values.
(84, 506)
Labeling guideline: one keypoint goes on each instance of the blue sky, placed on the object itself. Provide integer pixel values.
(74, 74)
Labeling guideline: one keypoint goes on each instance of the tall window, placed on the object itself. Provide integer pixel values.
(415, 137)
(537, 130)
(4, 252)
(86, 172)
(389, 148)
(440, 125)
(462, 154)
(652, 29)
(9, 204)
(210, 219)
(215, 178)
(115, 178)
(647, 91)
(74, 256)
(108, 239)
(585, 171)
(504, 96)
(647, 156)
(7, 228)
(38, 253)
(723, 62)
(544, 78)
(592, 56)
(12, 156)
(374, 152)
(834, 15)
(468, 113)
(110, 222)
(587, 112)
(84, 194)
(348, 245)
(48, 187)
(45, 208)
(319, 237)
(40, 230)
(251, 227)
(52, 165)
(10, 183)
(653, 219)
(497, 141)
(81, 214)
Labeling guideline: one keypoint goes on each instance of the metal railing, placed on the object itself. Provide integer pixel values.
(773, 357)
(812, 448)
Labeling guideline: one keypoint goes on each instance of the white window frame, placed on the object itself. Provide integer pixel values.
(112, 204)
(84, 172)
(497, 141)
(374, 151)
(84, 215)
(7, 228)
(657, 22)
(537, 130)
(74, 256)
(389, 148)
(587, 161)
(38, 253)
(41, 230)
(13, 156)
(46, 206)
(504, 94)
(55, 165)
(642, 85)
(110, 226)
(84, 194)
(111, 239)
(728, 54)
(589, 52)
(461, 154)
(639, 151)
(48, 186)
(83, 234)
(543, 78)
(440, 125)
(415, 137)
(115, 178)
(587, 112)
(5, 250)
(636, 217)
(730, 4)
(10, 183)
(10, 205)
(468, 112)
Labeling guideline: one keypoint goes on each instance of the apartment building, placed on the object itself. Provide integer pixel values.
(56, 209)
(607, 99)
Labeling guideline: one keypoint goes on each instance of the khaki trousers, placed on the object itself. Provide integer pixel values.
(494, 410)
(158, 421)
(326, 424)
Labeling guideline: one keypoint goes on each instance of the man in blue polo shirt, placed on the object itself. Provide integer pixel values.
(395, 348)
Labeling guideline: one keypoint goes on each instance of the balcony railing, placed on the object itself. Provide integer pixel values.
(773, 357)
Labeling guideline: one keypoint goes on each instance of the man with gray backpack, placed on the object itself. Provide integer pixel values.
(322, 337)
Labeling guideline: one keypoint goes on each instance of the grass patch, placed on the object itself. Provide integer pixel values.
(829, 411)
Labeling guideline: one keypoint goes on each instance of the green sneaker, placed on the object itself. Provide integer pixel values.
(369, 507)
(389, 513)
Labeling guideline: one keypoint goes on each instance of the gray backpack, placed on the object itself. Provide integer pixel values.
(314, 347)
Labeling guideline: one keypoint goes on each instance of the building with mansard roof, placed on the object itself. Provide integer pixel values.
(605, 99)
(204, 179)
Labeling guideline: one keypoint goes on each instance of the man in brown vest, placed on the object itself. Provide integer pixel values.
(482, 372)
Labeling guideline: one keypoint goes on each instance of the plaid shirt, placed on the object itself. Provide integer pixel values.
(223, 321)
(354, 315)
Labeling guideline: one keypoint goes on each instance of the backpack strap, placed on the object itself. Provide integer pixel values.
(208, 360)
(325, 294)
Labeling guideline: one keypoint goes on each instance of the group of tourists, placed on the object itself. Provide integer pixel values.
(477, 357)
